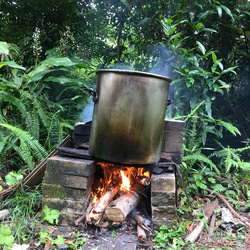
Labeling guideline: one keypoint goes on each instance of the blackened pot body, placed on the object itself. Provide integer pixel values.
(128, 116)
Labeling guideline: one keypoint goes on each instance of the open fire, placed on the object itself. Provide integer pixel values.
(126, 178)
(115, 193)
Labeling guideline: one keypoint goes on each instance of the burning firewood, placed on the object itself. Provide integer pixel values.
(122, 206)
(143, 180)
(101, 204)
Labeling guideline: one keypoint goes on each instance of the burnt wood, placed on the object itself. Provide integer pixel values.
(73, 152)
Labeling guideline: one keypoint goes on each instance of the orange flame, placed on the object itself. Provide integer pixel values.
(125, 182)
(111, 175)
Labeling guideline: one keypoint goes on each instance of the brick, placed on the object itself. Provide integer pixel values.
(164, 212)
(174, 147)
(67, 180)
(173, 137)
(65, 206)
(166, 198)
(58, 191)
(163, 182)
(71, 166)
(174, 125)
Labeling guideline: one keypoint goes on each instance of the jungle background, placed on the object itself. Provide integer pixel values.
(50, 49)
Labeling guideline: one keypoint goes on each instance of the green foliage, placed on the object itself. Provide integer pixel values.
(51, 215)
(24, 207)
(170, 236)
(79, 242)
(12, 178)
(6, 239)
(44, 236)
(39, 108)
(231, 159)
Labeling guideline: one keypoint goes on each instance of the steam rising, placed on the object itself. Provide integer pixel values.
(87, 112)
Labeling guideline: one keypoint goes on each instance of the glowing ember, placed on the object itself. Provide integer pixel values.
(125, 181)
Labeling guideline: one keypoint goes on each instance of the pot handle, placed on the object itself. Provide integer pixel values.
(169, 102)
(94, 94)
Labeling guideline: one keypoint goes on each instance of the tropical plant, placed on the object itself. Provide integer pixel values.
(38, 108)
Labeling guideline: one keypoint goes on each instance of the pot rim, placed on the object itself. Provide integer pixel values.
(133, 72)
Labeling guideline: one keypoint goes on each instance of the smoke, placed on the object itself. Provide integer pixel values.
(87, 112)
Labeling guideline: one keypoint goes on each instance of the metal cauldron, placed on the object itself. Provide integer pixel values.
(128, 117)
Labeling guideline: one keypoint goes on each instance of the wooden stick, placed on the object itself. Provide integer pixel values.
(122, 206)
(139, 220)
(208, 209)
(89, 208)
(102, 203)
(242, 218)
(141, 234)
(211, 229)
(80, 219)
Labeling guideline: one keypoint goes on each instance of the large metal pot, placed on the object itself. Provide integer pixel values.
(128, 116)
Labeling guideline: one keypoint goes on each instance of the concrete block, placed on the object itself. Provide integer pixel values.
(71, 166)
(67, 180)
(174, 147)
(64, 205)
(164, 198)
(163, 182)
(174, 125)
(58, 191)
(163, 215)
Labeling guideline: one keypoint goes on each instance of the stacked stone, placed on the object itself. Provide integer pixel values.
(67, 184)
(163, 198)
(163, 185)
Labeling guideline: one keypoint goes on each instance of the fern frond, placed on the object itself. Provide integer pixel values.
(27, 142)
(201, 158)
(12, 100)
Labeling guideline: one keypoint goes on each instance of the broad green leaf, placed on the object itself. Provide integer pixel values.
(4, 48)
(63, 61)
(214, 57)
(219, 10)
(209, 30)
(231, 69)
(228, 11)
(169, 21)
(11, 64)
(12, 178)
(171, 31)
(198, 26)
(201, 47)
(5, 230)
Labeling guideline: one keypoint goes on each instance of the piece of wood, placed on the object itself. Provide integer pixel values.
(79, 153)
(122, 206)
(102, 203)
(89, 208)
(235, 214)
(141, 234)
(208, 209)
(211, 229)
(4, 213)
(143, 180)
(139, 220)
